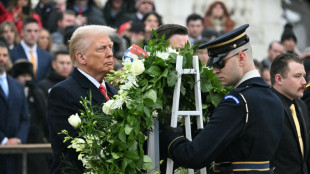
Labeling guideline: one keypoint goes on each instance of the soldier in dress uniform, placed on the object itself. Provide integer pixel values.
(245, 129)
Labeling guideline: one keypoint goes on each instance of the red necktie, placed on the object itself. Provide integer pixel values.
(104, 92)
(80, 11)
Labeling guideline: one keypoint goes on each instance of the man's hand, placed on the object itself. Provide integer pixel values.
(13, 141)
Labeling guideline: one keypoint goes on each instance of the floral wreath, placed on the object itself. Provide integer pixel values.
(111, 140)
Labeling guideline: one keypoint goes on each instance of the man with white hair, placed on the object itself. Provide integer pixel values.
(91, 54)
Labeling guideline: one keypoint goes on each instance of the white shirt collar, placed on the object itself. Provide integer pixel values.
(3, 76)
(27, 48)
(248, 75)
(92, 79)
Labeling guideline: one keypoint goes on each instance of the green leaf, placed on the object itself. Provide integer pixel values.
(147, 159)
(154, 71)
(122, 136)
(172, 78)
(124, 164)
(131, 155)
(147, 111)
(115, 155)
(151, 94)
(128, 129)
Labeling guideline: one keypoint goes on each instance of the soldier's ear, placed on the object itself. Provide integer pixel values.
(242, 58)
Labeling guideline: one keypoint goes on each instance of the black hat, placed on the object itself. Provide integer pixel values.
(137, 27)
(222, 45)
(22, 67)
(288, 33)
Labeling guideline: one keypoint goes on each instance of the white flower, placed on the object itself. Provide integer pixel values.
(171, 50)
(131, 80)
(74, 120)
(163, 55)
(155, 113)
(117, 104)
(106, 108)
(137, 67)
(127, 64)
(78, 144)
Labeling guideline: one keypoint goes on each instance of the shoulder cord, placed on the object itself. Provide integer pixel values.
(247, 113)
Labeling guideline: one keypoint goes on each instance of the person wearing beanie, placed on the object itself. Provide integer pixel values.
(143, 7)
(289, 39)
(22, 71)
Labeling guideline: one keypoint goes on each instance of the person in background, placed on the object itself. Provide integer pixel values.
(86, 12)
(119, 48)
(176, 35)
(44, 40)
(29, 50)
(202, 53)
(9, 32)
(19, 10)
(61, 70)
(143, 7)
(265, 73)
(257, 64)
(209, 33)
(289, 39)
(218, 17)
(137, 33)
(22, 71)
(115, 13)
(275, 49)
(288, 83)
(92, 56)
(65, 19)
(245, 128)
(194, 24)
(151, 20)
(14, 113)
(124, 32)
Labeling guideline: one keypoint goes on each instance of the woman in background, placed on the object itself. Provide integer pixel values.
(9, 32)
(45, 41)
(151, 20)
(218, 18)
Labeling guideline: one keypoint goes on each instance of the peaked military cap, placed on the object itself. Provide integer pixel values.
(222, 45)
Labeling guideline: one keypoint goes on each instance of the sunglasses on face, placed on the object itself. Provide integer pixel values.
(221, 64)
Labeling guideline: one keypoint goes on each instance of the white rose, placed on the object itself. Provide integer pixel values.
(74, 120)
(106, 108)
(137, 67)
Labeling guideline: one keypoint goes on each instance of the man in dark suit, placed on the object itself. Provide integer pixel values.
(91, 54)
(14, 114)
(288, 82)
(29, 50)
(244, 130)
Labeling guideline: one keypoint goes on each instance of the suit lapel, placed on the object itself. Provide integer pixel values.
(88, 86)
(2, 95)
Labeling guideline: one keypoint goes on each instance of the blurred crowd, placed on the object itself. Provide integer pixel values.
(37, 41)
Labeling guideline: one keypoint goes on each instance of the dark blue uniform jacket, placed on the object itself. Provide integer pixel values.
(227, 137)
